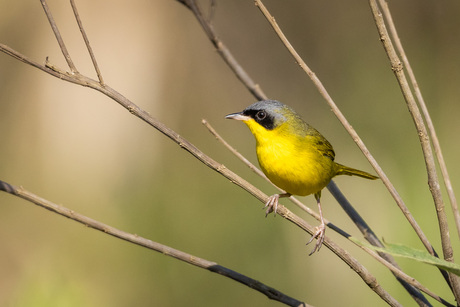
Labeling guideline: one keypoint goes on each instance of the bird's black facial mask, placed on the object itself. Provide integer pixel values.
(270, 114)
(262, 117)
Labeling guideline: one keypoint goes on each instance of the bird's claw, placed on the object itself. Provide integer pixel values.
(271, 204)
(319, 235)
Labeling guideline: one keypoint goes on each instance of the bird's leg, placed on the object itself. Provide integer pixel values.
(321, 229)
(272, 203)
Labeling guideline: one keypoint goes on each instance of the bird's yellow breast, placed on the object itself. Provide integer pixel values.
(291, 161)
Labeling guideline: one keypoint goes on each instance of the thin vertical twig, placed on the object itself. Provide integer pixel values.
(433, 182)
(426, 114)
(85, 38)
(58, 36)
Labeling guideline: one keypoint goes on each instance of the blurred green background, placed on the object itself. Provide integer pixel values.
(76, 147)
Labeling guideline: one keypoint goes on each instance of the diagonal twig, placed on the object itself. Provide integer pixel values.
(59, 39)
(85, 38)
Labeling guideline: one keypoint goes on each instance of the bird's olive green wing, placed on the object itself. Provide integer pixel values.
(315, 139)
(325, 148)
(320, 143)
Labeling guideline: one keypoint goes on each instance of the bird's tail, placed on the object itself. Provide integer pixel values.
(345, 170)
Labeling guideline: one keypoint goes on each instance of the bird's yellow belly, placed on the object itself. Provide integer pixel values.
(298, 172)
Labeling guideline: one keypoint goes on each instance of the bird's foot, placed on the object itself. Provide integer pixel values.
(319, 235)
(272, 204)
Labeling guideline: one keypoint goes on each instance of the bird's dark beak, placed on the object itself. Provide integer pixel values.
(238, 116)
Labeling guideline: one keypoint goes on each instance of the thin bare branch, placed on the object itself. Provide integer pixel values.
(425, 112)
(59, 39)
(85, 38)
(214, 267)
(424, 139)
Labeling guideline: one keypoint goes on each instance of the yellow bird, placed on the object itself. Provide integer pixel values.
(293, 155)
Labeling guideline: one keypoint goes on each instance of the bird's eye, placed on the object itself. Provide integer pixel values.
(261, 115)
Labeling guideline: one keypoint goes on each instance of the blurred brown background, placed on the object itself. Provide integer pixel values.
(76, 147)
